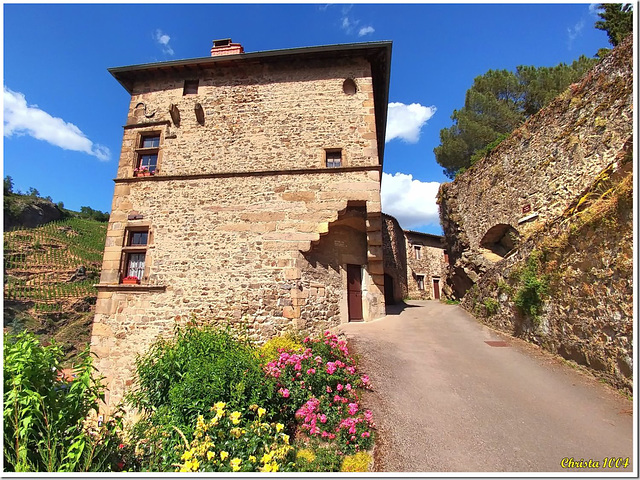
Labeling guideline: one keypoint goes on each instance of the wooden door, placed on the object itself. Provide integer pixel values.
(354, 292)
(436, 288)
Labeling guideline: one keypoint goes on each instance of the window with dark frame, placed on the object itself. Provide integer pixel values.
(135, 252)
(148, 154)
(418, 251)
(334, 158)
(190, 87)
(420, 281)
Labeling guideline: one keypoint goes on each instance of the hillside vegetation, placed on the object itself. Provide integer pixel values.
(49, 273)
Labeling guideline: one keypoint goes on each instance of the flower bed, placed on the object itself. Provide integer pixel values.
(321, 384)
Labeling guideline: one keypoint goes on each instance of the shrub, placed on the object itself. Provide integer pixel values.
(270, 351)
(491, 306)
(320, 384)
(236, 442)
(181, 378)
(356, 463)
(530, 296)
(44, 414)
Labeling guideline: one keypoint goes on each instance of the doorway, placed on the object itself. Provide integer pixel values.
(436, 288)
(354, 292)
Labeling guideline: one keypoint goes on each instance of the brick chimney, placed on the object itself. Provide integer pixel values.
(225, 47)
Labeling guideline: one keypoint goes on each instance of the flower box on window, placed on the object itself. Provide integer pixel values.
(143, 172)
(130, 281)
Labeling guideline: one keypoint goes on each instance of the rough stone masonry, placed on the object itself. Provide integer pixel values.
(247, 184)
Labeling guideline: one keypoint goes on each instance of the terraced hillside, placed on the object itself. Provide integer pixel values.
(49, 273)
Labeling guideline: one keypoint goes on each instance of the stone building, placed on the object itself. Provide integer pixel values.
(426, 263)
(248, 190)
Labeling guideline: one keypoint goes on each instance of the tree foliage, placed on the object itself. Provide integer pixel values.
(617, 21)
(497, 103)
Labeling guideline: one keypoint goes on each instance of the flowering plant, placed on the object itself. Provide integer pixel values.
(321, 382)
(233, 442)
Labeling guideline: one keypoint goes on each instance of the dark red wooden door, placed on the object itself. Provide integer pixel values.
(436, 288)
(354, 292)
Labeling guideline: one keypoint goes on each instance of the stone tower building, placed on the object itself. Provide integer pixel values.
(248, 190)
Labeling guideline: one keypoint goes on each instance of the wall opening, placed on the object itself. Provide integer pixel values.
(500, 239)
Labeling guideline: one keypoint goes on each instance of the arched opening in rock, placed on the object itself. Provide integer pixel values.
(500, 239)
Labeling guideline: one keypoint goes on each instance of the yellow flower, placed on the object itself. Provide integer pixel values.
(252, 459)
(224, 455)
(235, 464)
(210, 455)
(279, 427)
(286, 438)
(266, 458)
(187, 455)
(270, 467)
(195, 464)
(261, 412)
(219, 405)
(235, 418)
(236, 432)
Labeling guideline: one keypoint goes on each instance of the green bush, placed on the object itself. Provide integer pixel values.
(491, 306)
(181, 378)
(529, 297)
(44, 414)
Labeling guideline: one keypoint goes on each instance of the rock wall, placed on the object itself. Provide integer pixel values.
(540, 231)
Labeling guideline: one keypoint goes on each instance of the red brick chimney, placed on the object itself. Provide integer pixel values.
(225, 47)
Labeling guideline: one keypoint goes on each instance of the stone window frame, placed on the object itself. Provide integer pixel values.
(140, 150)
(420, 285)
(128, 249)
(332, 150)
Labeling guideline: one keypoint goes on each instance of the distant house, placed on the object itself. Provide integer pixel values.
(248, 190)
(426, 264)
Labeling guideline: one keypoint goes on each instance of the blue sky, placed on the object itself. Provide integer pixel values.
(63, 112)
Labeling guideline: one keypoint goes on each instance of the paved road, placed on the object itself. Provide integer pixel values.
(446, 401)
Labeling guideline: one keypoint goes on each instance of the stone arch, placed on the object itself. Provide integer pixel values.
(500, 239)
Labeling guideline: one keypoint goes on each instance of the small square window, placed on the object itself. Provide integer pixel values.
(190, 87)
(138, 238)
(151, 142)
(334, 158)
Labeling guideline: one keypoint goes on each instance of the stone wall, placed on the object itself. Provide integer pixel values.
(246, 223)
(547, 162)
(430, 265)
(395, 260)
(552, 204)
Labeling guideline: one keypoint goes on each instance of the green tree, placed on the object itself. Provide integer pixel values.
(497, 103)
(617, 21)
(8, 185)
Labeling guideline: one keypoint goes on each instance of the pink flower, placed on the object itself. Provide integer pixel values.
(365, 379)
(353, 408)
(311, 371)
(339, 387)
(284, 392)
(337, 398)
(322, 418)
(347, 386)
(351, 370)
(365, 435)
(329, 389)
(121, 446)
(297, 366)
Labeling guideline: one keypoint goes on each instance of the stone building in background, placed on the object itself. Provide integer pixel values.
(248, 190)
(426, 264)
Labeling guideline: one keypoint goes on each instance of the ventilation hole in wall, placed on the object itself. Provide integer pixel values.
(349, 86)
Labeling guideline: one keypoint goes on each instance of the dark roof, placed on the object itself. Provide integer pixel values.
(427, 235)
(378, 54)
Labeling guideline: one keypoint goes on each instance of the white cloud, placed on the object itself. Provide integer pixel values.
(405, 121)
(575, 31)
(366, 31)
(163, 39)
(411, 202)
(593, 9)
(23, 119)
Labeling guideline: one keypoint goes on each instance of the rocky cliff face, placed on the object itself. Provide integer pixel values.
(29, 212)
(540, 232)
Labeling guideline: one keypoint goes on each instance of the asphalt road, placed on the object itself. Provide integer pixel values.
(446, 401)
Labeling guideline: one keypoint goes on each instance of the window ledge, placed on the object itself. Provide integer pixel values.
(110, 287)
